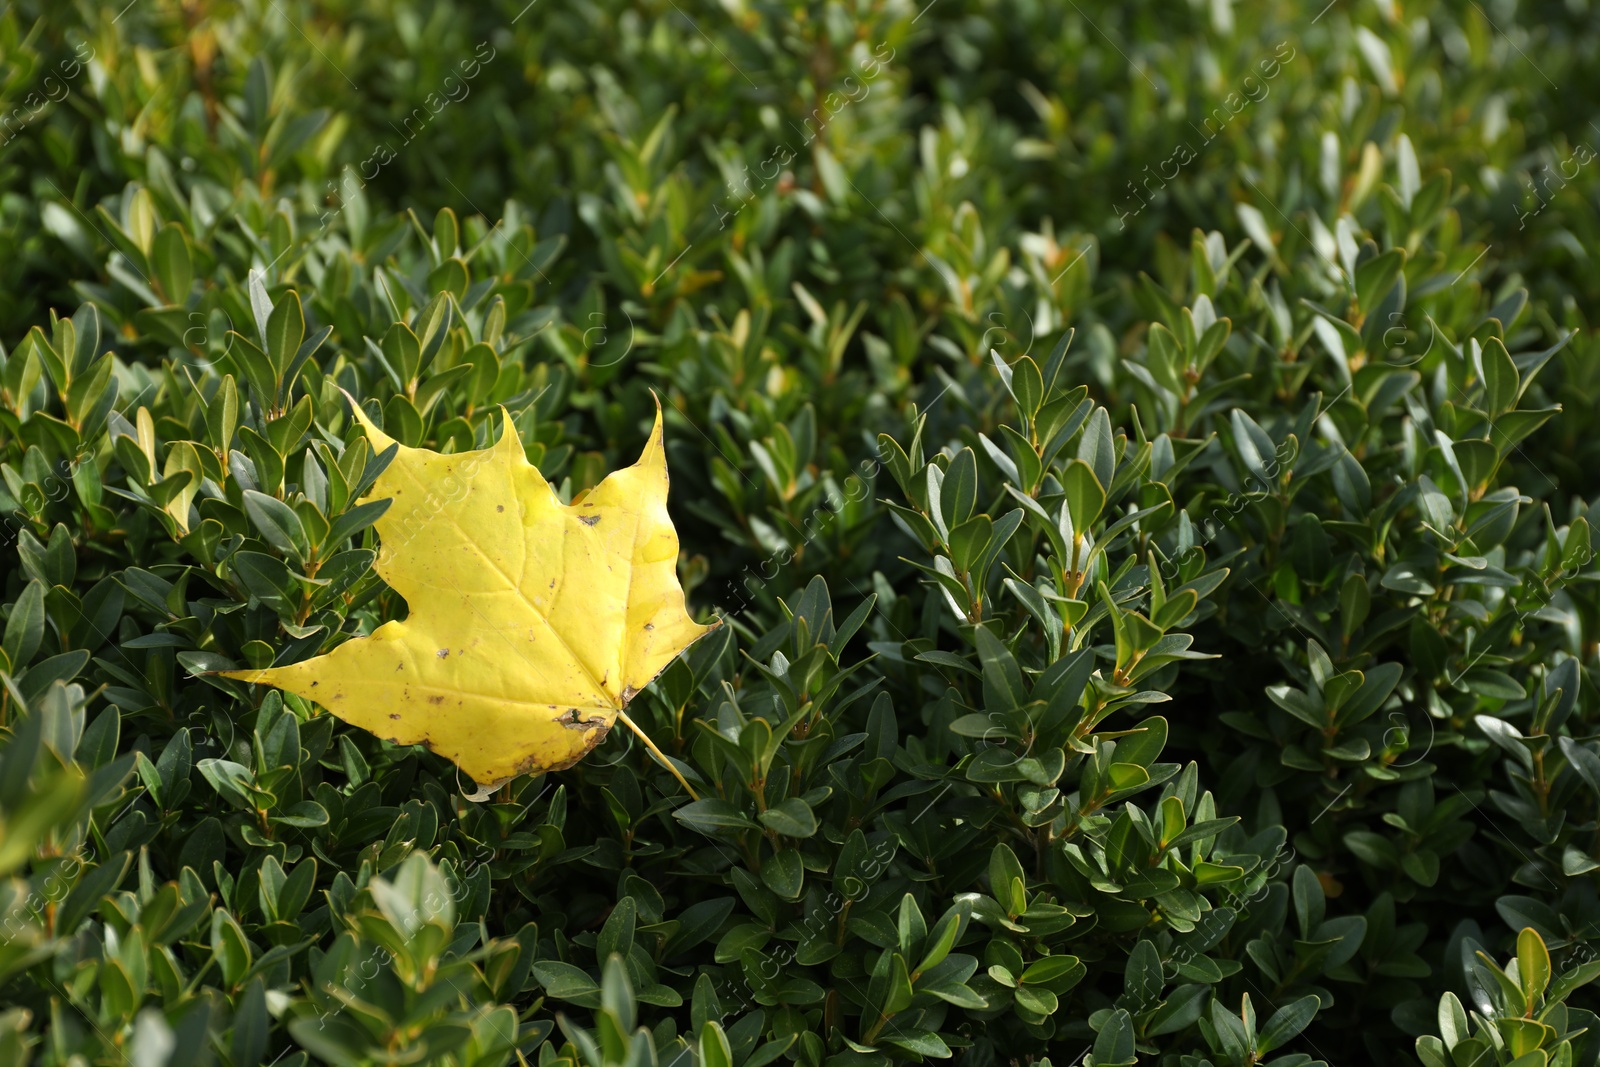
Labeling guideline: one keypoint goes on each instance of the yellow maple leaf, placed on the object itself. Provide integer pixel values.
(532, 622)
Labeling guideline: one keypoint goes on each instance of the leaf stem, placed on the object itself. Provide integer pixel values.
(659, 755)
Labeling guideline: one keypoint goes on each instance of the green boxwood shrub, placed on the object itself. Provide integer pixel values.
(1143, 458)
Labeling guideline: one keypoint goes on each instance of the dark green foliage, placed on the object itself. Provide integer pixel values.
(1144, 457)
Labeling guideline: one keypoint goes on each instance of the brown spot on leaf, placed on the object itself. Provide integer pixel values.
(499, 507)
(649, 626)
(394, 715)
(436, 699)
(572, 720)
(589, 520)
(443, 653)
